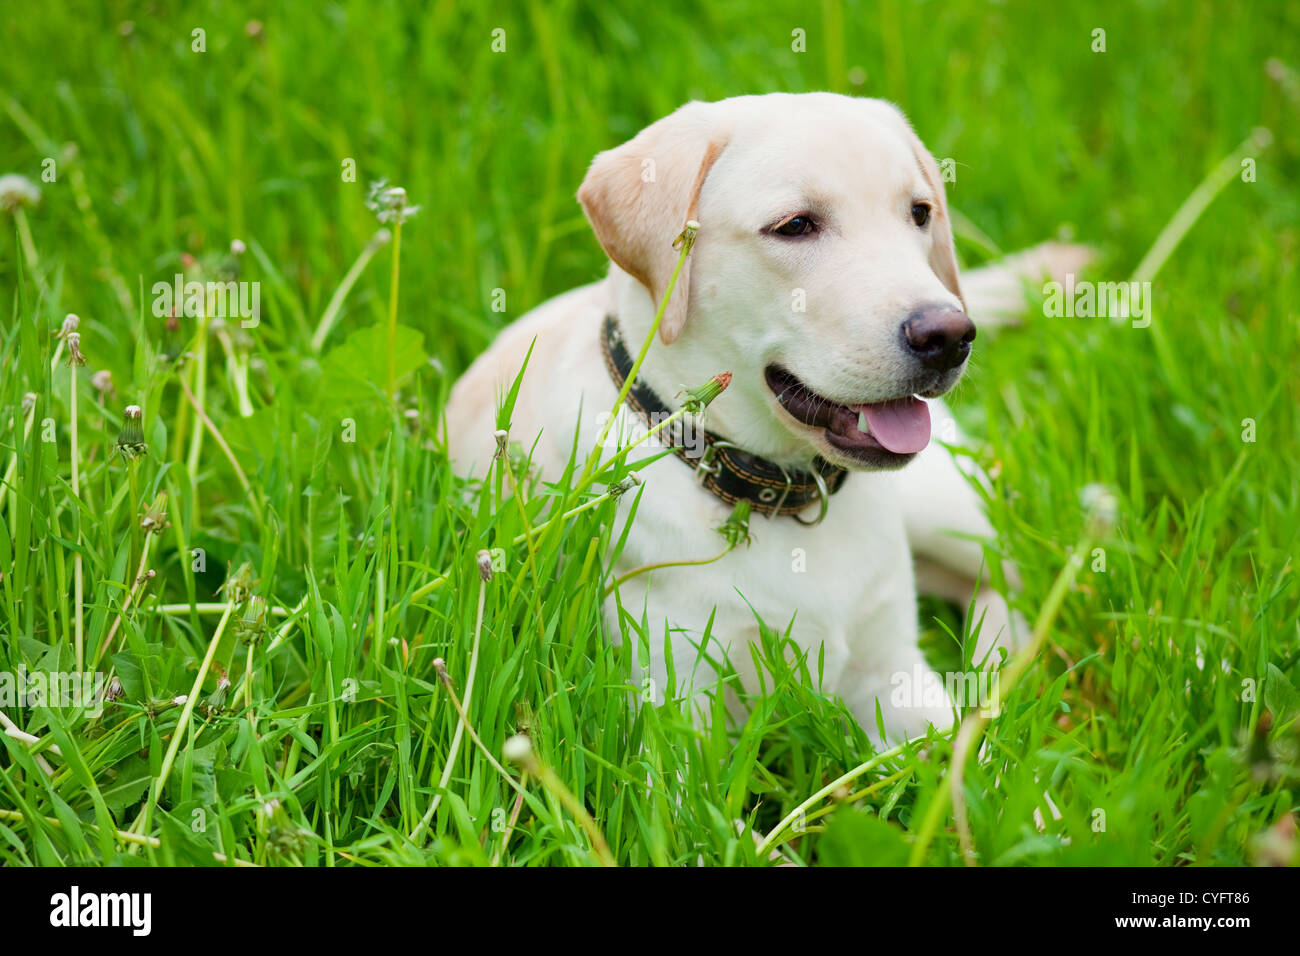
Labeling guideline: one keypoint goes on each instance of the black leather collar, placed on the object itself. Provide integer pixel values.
(725, 470)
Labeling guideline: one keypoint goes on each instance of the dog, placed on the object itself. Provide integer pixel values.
(823, 277)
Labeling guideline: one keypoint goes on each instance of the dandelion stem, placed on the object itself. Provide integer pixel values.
(77, 571)
(426, 589)
(460, 725)
(510, 824)
(504, 460)
(212, 607)
(623, 452)
(197, 396)
(12, 730)
(25, 237)
(248, 680)
(8, 493)
(137, 586)
(183, 722)
(237, 372)
(538, 529)
(687, 241)
(335, 306)
(225, 448)
(443, 676)
(976, 721)
(549, 779)
(769, 841)
(392, 305)
(646, 568)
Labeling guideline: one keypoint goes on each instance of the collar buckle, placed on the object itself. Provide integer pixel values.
(739, 476)
(706, 466)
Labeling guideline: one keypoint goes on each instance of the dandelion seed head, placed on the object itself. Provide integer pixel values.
(388, 203)
(74, 349)
(518, 749)
(1102, 506)
(17, 191)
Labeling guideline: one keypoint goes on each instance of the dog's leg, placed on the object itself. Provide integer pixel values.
(910, 695)
(997, 294)
(947, 530)
(998, 624)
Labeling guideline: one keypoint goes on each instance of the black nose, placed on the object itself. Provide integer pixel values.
(939, 337)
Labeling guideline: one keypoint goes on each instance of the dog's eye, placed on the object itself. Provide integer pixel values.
(920, 213)
(796, 226)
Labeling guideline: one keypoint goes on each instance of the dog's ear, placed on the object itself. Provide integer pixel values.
(943, 256)
(639, 196)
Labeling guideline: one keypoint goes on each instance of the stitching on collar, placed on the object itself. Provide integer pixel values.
(740, 466)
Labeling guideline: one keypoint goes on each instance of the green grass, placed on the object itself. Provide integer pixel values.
(329, 744)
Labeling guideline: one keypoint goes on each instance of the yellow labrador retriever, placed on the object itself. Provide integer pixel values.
(823, 277)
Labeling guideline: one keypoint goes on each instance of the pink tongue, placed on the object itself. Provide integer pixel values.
(902, 426)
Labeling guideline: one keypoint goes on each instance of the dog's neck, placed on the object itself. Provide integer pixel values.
(740, 415)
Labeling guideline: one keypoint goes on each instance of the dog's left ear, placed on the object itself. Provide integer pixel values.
(639, 196)
(943, 256)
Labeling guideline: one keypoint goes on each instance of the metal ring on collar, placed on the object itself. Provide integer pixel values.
(825, 497)
(785, 493)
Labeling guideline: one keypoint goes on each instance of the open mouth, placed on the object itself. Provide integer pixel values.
(882, 434)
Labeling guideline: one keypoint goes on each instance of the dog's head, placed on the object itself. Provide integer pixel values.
(823, 276)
